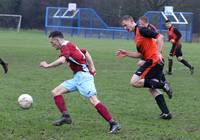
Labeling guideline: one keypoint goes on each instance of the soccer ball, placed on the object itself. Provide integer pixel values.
(25, 101)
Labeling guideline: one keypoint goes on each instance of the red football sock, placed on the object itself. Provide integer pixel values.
(103, 111)
(60, 103)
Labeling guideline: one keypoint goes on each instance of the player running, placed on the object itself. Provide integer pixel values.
(174, 37)
(143, 22)
(4, 65)
(83, 69)
(149, 74)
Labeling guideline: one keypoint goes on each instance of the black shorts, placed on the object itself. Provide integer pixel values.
(150, 71)
(176, 50)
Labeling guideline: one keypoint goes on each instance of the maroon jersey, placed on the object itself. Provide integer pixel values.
(75, 57)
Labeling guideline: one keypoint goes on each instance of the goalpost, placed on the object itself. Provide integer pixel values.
(183, 21)
(10, 21)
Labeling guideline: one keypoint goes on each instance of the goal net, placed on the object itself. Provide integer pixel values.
(10, 22)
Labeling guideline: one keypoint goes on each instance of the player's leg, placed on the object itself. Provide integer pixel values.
(183, 61)
(4, 65)
(170, 59)
(137, 82)
(163, 79)
(170, 64)
(57, 93)
(87, 89)
(151, 83)
(160, 100)
(158, 74)
(140, 62)
(103, 111)
(138, 79)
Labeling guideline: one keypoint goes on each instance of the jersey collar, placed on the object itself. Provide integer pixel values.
(64, 43)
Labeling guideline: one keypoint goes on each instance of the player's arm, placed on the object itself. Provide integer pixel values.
(90, 63)
(177, 41)
(160, 43)
(55, 63)
(153, 28)
(178, 34)
(148, 33)
(155, 35)
(123, 53)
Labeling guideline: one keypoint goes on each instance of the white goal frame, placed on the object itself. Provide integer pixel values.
(11, 15)
(169, 11)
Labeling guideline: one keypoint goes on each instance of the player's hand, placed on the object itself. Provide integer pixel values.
(92, 71)
(121, 53)
(178, 43)
(5, 67)
(160, 58)
(172, 41)
(44, 64)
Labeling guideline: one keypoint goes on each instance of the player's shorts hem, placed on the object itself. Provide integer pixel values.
(82, 82)
(143, 70)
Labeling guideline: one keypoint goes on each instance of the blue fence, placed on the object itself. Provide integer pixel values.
(86, 22)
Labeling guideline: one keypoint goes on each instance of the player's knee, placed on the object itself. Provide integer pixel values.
(94, 100)
(179, 58)
(154, 92)
(134, 83)
(55, 93)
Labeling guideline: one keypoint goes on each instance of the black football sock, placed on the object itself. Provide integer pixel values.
(170, 63)
(153, 84)
(112, 122)
(186, 63)
(66, 114)
(160, 100)
(1, 61)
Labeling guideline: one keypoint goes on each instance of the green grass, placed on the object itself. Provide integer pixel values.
(134, 108)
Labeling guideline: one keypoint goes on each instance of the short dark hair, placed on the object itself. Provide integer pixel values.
(167, 21)
(143, 18)
(56, 34)
(126, 17)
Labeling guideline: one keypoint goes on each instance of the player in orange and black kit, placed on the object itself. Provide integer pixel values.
(174, 37)
(4, 65)
(143, 22)
(150, 73)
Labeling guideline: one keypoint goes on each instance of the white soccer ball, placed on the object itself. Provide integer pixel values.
(25, 101)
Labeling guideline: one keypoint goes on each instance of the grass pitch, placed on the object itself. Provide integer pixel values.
(134, 108)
